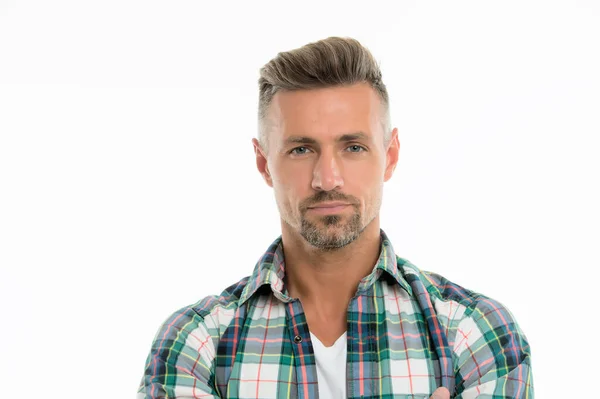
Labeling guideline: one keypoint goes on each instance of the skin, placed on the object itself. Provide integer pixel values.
(312, 160)
(441, 393)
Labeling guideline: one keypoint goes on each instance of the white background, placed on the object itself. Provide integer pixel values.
(128, 187)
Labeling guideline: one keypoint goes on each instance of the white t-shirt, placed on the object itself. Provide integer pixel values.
(331, 367)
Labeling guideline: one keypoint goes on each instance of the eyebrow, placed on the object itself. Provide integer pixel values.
(340, 139)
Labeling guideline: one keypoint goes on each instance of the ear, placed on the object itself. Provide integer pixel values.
(392, 153)
(261, 163)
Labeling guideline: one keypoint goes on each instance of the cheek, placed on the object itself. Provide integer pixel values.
(293, 182)
(287, 193)
(368, 187)
(366, 169)
(365, 178)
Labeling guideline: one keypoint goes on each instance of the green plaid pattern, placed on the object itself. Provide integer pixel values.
(409, 332)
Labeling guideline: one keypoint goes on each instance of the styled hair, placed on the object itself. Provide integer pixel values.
(335, 61)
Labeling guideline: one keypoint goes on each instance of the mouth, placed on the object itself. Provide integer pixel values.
(326, 209)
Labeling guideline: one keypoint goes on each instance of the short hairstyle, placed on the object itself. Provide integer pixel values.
(334, 61)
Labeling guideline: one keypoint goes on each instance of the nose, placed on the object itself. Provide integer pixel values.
(327, 174)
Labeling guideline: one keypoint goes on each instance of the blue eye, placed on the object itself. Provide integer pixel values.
(304, 150)
(357, 146)
(292, 152)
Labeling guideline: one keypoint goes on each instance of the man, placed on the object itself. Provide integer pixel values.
(330, 310)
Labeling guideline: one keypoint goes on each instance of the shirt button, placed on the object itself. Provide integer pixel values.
(297, 339)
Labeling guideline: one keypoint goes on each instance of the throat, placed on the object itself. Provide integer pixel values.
(327, 327)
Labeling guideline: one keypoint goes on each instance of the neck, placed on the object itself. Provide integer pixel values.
(328, 278)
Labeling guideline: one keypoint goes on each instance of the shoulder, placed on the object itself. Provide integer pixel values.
(445, 290)
(457, 304)
(477, 306)
(228, 300)
(489, 348)
(441, 289)
(208, 317)
(184, 347)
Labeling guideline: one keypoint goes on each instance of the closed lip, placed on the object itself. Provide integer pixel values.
(329, 205)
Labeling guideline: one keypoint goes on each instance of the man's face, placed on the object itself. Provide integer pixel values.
(327, 146)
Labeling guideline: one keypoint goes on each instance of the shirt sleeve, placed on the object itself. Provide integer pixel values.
(180, 362)
(493, 355)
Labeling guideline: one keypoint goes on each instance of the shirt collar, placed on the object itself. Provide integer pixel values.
(270, 271)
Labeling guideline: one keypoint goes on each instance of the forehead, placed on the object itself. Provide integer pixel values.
(325, 112)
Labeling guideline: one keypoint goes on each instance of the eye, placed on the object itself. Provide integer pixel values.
(299, 153)
(356, 146)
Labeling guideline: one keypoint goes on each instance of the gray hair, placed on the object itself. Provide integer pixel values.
(334, 61)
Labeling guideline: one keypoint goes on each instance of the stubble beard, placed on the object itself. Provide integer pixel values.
(331, 232)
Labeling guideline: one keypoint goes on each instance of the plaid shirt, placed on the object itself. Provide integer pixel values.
(409, 332)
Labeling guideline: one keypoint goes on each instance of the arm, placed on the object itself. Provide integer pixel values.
(493, 355)
(180, 363)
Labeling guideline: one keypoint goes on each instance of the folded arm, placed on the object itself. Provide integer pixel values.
(493, 354)
(180, 361)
